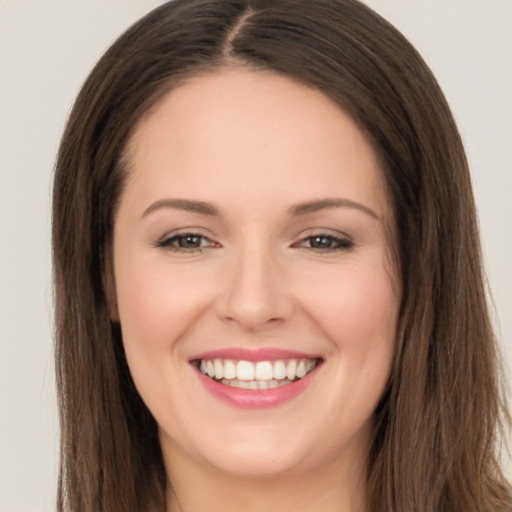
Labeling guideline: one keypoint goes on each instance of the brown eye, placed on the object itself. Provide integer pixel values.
(326, 243)
(322, 242)
(185, 242)
(188, 241)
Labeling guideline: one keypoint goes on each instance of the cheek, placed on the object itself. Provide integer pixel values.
(359, 316)
(357, 306)
(156, 305)
(156, 308)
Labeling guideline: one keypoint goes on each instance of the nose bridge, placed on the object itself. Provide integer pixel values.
(254, 295)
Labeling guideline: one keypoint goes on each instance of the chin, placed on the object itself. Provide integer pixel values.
(257, 452)
(260, 460)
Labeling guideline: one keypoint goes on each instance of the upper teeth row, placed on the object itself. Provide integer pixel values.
(262, 370)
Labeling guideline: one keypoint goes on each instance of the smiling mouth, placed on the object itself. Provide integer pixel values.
(256, 375)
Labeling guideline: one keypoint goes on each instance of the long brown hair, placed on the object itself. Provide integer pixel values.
(437, 426)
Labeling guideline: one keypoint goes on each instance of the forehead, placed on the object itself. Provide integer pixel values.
(255, 131)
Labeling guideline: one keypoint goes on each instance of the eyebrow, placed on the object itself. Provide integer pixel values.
(321, 204)
(188, 205)
(204, 208)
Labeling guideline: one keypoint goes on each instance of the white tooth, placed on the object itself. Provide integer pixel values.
(301, 369)
(255, 384)
(229, 370)
(291, 370)
(244, 370)
(310, 364)
(210, 370)
(279, 370)
(263, 370)
(203, 366)
(219, 369)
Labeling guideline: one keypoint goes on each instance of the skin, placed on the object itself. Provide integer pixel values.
(253, 145)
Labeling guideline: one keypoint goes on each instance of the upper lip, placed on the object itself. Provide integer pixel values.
(254, 355)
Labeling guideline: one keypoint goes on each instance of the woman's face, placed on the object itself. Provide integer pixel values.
(251, 244)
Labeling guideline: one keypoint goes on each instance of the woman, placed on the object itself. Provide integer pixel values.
(264, 233)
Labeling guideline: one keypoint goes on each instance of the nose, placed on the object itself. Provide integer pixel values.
(255, 295)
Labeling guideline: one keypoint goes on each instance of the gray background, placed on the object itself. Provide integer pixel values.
(47, 48)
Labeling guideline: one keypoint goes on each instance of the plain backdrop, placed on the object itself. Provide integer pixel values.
(47, 48)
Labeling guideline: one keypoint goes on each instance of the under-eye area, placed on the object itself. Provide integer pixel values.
(256, 375)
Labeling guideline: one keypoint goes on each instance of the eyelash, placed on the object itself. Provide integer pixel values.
(335, 243)
(167, 243)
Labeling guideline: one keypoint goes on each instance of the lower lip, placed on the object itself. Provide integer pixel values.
(256, 398)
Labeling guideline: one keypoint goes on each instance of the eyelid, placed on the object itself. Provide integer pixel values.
(340, 241)
(344, 242)
(165, 242)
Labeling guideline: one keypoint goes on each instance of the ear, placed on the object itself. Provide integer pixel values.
(109, 286)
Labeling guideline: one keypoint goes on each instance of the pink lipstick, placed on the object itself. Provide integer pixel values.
(259, 378)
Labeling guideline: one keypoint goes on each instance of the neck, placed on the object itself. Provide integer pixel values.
(196, 486)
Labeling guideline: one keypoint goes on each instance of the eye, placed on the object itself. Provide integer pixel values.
(325, 243)
(186, 242)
